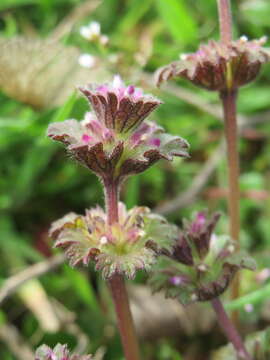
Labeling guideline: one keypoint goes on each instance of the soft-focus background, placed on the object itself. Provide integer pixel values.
(43, 57)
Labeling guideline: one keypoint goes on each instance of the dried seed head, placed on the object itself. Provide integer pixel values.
(218, 66)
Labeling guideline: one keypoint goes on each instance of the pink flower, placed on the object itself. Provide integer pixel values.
(118, 106)
(110, 140)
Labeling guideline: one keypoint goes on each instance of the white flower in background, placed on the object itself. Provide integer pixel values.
(92, 32)
(87, 60)
(104, 39)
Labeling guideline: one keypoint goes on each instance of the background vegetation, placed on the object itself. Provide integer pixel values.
(39, 183)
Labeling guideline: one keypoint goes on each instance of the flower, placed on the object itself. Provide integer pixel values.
(120, 107)
(130, 244)
(201, 264)
(218, 66)
(60, 352)
(116, 141)
(87, 60)
(92, 32)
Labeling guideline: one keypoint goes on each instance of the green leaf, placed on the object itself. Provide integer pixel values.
(64, 112)
(162, 233)
(254, 297)
(83, 288)
(38, 157)
(132, 191)
(7, 4)
(137, 8)
(176, 17)
(2, 317)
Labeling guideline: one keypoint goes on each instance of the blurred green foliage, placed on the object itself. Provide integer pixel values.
(39, 182)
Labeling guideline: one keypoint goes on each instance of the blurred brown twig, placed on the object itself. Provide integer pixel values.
(16, 344)
(33, 271)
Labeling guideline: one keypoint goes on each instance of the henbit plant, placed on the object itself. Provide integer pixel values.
(115, 142)
(224, 66)
(200, 267)
(59, 352)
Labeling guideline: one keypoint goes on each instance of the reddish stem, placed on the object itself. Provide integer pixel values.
(230, 122)
(111, 200)
(125, 321)
(229, 108)
(230, 331)
(117, 284)
(225, 20)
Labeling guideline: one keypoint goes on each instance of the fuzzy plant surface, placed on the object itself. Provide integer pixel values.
(201, 264)
(123, 247)
(59, 352)
(115, 140)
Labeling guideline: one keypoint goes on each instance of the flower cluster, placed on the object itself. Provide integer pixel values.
(218, 66)
(201, 265)
(130, 244)
(60, 352)
(115, 141)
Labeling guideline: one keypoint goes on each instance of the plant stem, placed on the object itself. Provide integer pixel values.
(111, 200)
(230, 123)
(125, 321)
(229, 330)
(228, 99)
(117, 284)
(225, 20)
